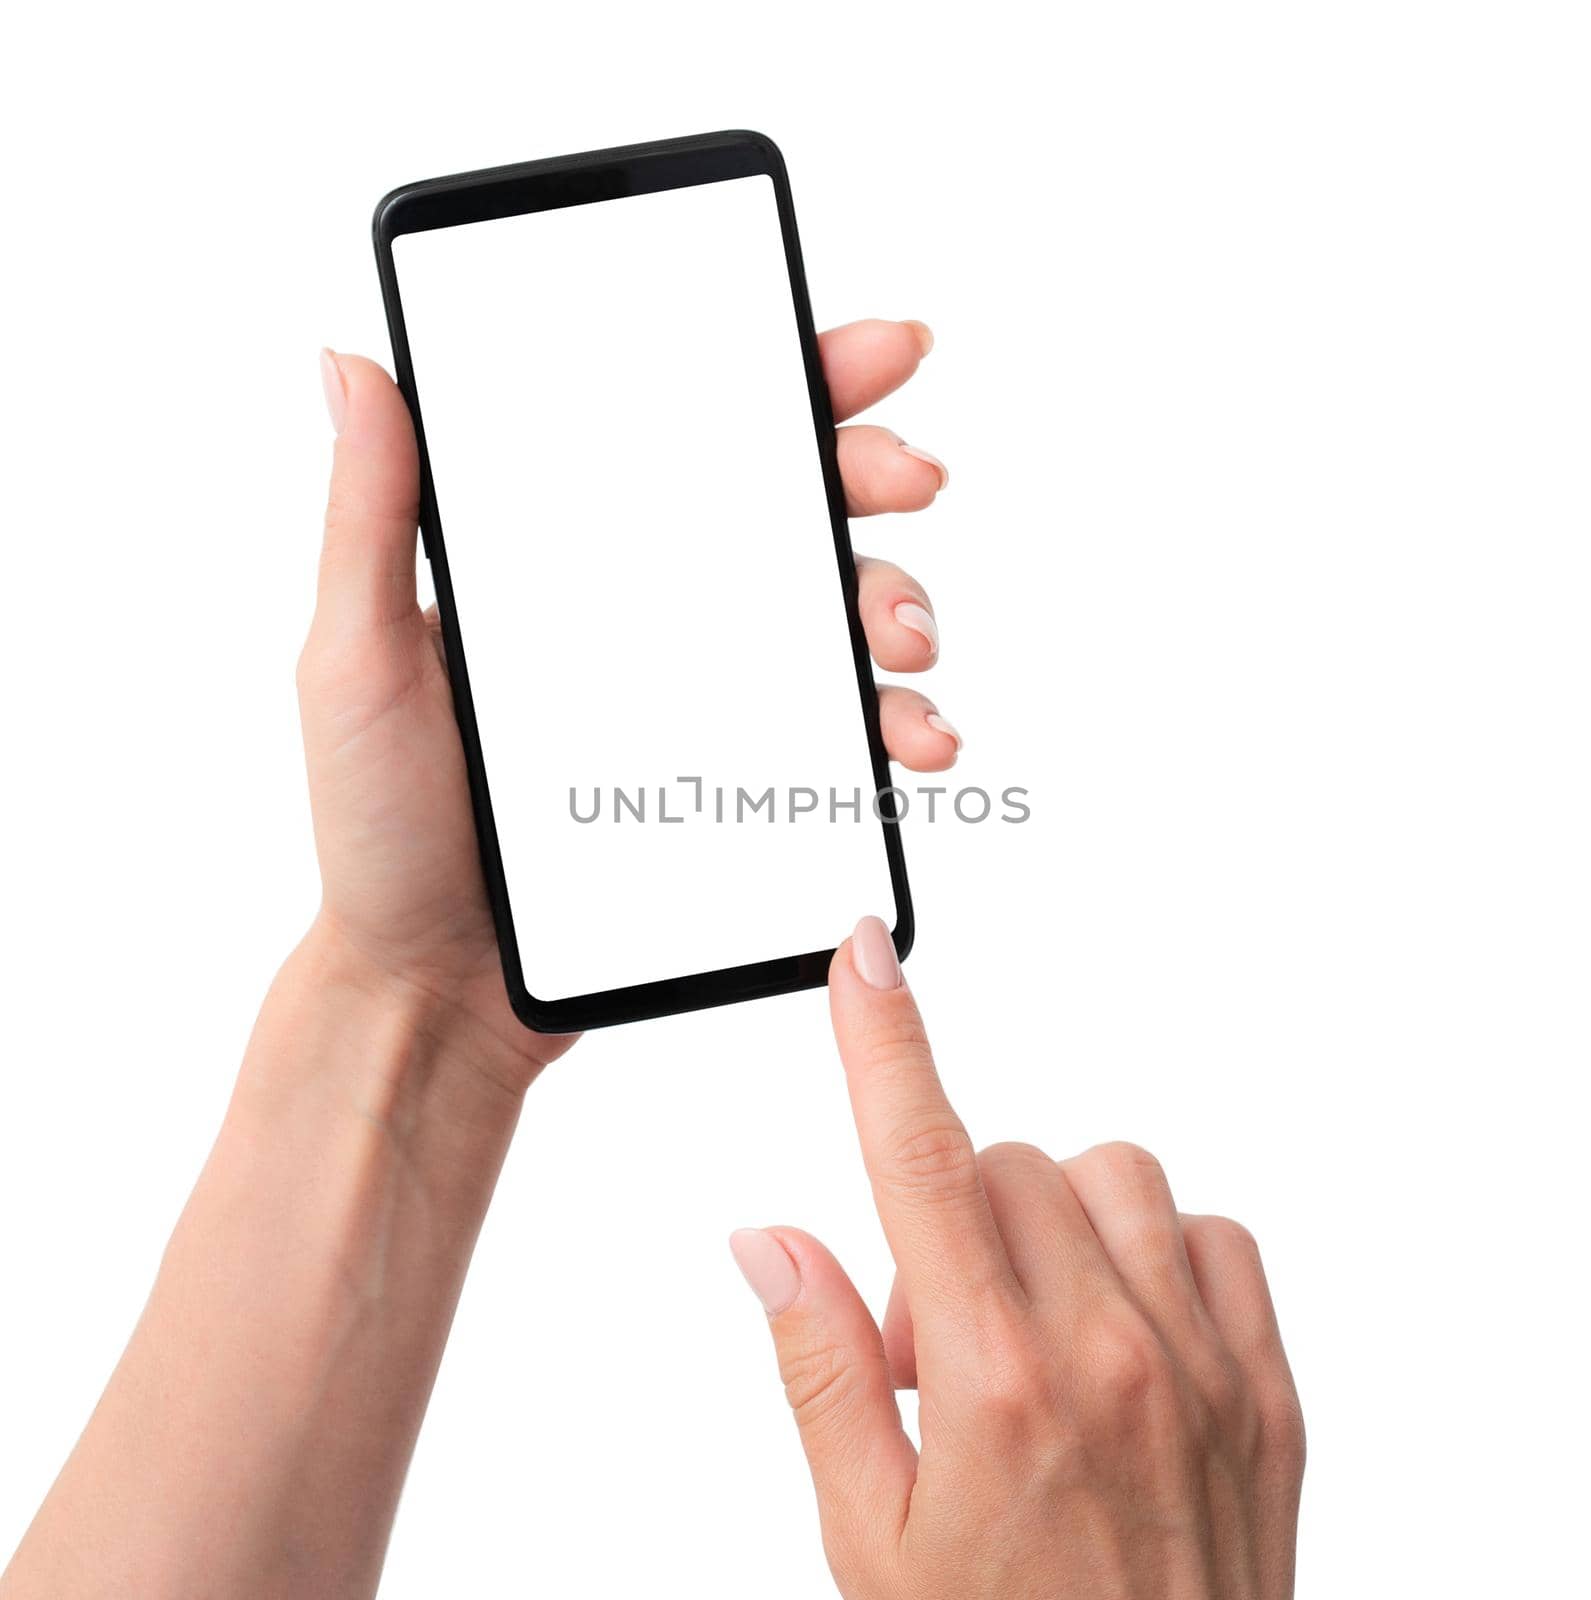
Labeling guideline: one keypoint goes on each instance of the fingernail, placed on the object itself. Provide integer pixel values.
(766, 1265)
(331, 377)
(873, 955)
(939, 725)
(920, 620)
(933, 461)
(925, 334)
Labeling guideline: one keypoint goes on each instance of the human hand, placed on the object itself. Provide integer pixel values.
(403, 894)
(1105, 1406)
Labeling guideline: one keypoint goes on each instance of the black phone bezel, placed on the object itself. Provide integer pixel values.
(581, 179)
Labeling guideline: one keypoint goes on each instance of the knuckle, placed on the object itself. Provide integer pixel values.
(875, 570)
(328, 662)
(1015, 1386)
(931, 1157)
(820, 1384)
(1282, 1431)
(1229, 1235)
(1011, 1155)
(332, 660)
(1127, 1367)
(897, 1047)
(1123, 1159)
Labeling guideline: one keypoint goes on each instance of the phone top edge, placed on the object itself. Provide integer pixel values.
(388, 222)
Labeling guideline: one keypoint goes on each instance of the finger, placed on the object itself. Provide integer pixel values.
(900, 1344)
(367, 559)
(1231, 1279)
(864, 361)
(1124, 1194)
(897, 617)
(923, 1168)
(837, 1381)
(914, 733)
(882, 472)
(1226, 1267)
(1053, 1247)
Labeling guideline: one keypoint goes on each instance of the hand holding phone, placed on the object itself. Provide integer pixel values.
(623, 425)
(394, 829)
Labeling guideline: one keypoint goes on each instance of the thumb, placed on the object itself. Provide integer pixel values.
(837, 1381)
(367, 559)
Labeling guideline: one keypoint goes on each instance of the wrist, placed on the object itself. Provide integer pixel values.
(344, 1048)
(447, 1029)
(361, 1146)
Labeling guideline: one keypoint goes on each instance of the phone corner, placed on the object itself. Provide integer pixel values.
(386, 221)
(536, 1016)
(760, 142)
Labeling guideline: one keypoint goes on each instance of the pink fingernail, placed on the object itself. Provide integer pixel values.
(939, 725)
(331, 377)
(925, 334)
(933, 461)
(766, 1265)
(873, 955)
(920, 620)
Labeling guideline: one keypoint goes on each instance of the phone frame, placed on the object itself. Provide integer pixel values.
(582, 179)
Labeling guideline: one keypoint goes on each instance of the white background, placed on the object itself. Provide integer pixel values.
(617, 415)
(1264, 341)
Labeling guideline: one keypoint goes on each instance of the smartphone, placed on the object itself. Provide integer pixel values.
(633, 513)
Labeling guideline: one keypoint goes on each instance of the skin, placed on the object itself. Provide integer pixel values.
(253, 1439)
(1105, 1406)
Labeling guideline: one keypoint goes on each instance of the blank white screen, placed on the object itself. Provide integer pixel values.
(638, 534)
